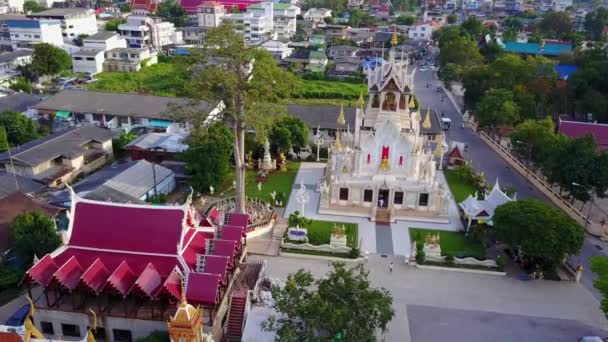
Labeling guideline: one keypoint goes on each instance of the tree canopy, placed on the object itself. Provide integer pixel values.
(112, 25)
(32, 6)
(288, 132)
(358, 18)
(341, 305)
(173, 12)
(595, 21)
(461, 51)
(19, 128)
(544, 234)
(208, 158)
(496, 108)
(50, 60)
(34, 233)
(555, 24)
(247, 80)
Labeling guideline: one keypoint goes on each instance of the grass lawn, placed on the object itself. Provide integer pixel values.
(460, 188)
(319, 232)
(315, 89)
(453, 243)
(162, 79)
(277, 181)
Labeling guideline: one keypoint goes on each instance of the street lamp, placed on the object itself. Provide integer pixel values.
(590, 193)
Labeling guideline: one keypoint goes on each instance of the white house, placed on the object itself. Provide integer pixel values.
(278, 49)
(143, 31)
(481, 211)
(561, 5)
(283, 17)
(91, 57)
(9, 62)
(26, 32)
(129, 59)
(74, 21)
(254, 27)
(12, 6)
(423, 31)
(210, 14)
(316, 15)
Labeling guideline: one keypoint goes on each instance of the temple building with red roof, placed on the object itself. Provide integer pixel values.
(128, 263)
(576, 129)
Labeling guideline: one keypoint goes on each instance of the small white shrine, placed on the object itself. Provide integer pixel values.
(386, 169)
(481, 211)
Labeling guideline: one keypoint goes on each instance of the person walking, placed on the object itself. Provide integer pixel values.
(390, 267)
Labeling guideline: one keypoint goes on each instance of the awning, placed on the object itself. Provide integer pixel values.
(159, 123)
(62, 114)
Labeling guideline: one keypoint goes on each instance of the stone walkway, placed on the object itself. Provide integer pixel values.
(384, 239)
(270, 243)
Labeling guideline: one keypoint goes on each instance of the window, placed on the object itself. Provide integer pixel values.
(71, 26)
(90, 58)
(71, 35)
(71, 330)
(423, 201)
(398, 197)
(368, 195)
(36, 36)
(343, 194)
(47, 328)
(122, 335)
(78, 58)
(64, 34)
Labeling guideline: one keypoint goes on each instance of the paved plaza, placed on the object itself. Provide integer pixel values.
(437, 306)
(374, 239)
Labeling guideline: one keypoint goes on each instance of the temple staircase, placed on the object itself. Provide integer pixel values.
(383, 215)
(236, 316)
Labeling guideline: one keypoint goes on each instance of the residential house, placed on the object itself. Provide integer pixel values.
(317, 15)
(59, 158)
(423, 31)
(278, 49)
(10, 183)
(342, 51)
(129, 59)
(120, 111)
(20, 102)
(74, 21)
(90, 59)
(437, 16)
(363, 37)
(317, 60)
(157, 147)
(335, 31)
(299, 56)
(141, 30)
(24, 33)
(209, 13)
(323, 119)
(12, 6)
(345, 66)
(193, 34)
(5, 35)
(283, 17)
(9, 66)
(576, 129)
(381, 39)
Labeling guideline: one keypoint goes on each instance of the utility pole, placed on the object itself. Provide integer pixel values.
(10, 156)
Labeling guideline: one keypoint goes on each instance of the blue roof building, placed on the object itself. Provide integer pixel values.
(544, 49)
(565, 70)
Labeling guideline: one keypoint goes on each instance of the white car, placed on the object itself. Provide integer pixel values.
(424, 68)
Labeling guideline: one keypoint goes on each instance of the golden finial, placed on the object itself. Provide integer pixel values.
(394, 40)
(30, 328)
(341, 121)
(92, 328)
(439, 151)
(360, 101)
(412, 104)
(337, 144)
(427, 119)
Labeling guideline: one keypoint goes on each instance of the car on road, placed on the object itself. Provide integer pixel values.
(423, 68)
(18, 317)
(446, 123)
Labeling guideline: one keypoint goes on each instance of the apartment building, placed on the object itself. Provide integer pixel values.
(24, 33)
(143, 31)
(74, 21)
(283, 17)
(129, 59)
(9, 66)
(91, 57)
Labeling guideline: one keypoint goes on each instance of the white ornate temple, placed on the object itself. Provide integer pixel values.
(386, 169)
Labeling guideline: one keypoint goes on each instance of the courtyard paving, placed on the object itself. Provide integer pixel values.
(434, 306)
(374, 239)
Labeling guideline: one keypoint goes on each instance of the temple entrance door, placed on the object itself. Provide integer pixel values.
(383, 198)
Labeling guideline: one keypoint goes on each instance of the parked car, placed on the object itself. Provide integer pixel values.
(18, 317)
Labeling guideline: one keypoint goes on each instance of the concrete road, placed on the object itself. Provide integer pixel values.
(486, 160)
(532, 307)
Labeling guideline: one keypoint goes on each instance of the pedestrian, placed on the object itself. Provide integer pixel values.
(390, 267)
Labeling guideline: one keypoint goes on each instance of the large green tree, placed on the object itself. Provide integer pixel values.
(340, 306)
(34, 233)
(555, 24)
(208, 158)
(19, 129)
(358, 18)
(496, 108)
(538, 139)
(32, 6)
(50, 60)
(287, 132)
(173, 12)
(112, 25)
(461, 51)
(247, 80)
(334, 5)
(595, 21)
(544, 234)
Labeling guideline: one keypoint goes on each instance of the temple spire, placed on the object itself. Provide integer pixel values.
(341, 121)
(360, 101)
(337, 144)
(412, 104)
(427, 119)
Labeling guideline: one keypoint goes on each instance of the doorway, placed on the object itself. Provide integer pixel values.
(383, 198)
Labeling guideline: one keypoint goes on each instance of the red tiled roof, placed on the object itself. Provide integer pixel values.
(69, 273)
(147, 229)
(225, 248)
(95, 276)
(149, 281)
(241, 220)
(195, 246)
(217, 264)
(148, 5)
(42, 272)
(576, 129)
(234, 233)
(172, 285)
(455, 153)
(121, 279)
(203, 288)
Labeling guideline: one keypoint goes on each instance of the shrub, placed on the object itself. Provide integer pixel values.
(477, 233)
(449, 259)
(501, 261)
(420, 257)
(354, 252)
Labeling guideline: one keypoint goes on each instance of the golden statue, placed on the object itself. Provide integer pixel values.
(394, 40)
(283, 161)
(384, 164)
